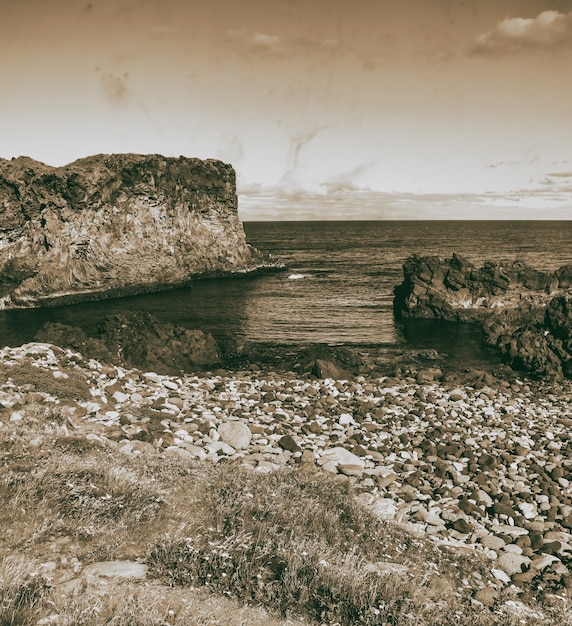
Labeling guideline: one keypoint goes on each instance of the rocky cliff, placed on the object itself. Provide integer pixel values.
(525, 313)
(112, 225)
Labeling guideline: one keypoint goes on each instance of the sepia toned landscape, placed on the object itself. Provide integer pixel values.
(315, 371)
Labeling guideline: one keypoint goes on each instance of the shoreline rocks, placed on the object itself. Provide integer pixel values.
(525, 313)
(112, 225)
(484, 468)
(139, 340)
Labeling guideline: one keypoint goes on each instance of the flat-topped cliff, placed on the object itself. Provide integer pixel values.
(112, 225)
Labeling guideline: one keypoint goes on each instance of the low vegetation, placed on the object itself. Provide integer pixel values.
(224, 545)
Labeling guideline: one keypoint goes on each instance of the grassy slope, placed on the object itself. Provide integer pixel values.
(223, 544)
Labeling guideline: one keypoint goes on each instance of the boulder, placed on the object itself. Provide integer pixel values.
(235, 434)
(141, 341)
(328, 369)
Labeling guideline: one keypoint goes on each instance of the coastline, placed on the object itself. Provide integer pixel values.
(268, 266)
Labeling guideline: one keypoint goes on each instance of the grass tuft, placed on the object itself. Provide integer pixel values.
(21, 592)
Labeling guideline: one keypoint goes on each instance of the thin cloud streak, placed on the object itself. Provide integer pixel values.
(253, 43)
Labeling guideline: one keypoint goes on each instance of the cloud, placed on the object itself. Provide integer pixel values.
(249, 42)
(348, 181)
(272, 203)
(561, 174)
(548, 30)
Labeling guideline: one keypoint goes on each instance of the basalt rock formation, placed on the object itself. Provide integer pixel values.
(525, 313)
(111, 225)
(139, 340)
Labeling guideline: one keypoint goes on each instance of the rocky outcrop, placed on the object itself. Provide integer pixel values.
(112, 225)
(139, 340)
(456, 290)
(525, 313)
(539, 341)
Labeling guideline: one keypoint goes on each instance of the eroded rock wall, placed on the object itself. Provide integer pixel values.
(115, 224)
(525, 313)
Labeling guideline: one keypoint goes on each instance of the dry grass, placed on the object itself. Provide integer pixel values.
(301, 547)
(72, 385)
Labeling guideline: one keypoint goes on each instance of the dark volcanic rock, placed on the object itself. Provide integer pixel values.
(139, 340)
(115, 224)
(525, 313)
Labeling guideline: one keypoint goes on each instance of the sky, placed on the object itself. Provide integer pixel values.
(327, 109)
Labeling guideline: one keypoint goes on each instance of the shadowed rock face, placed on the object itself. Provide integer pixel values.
(525, 313)
(139, 340)
(112, 225)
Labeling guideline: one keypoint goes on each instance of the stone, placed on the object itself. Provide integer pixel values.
(235, 434)
(487, 595)
(328, 369)
(287, 442)
(341, 456)
(115, 569)
(382, 568)
(492, 542)
(501, 575)
(384, 508)
(543, 562)
(462, 526)
(220, 447)
(512, 563)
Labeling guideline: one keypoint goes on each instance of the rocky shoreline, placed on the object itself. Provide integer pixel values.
(526, 314)
(482, 467)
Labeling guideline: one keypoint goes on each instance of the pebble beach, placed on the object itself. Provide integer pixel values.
(484, 467)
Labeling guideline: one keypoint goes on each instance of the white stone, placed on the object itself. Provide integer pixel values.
(153, 377)
(346, 419)
(528, 509)
(235, 434)
(169, 384)
(115, 569)
(500, 575)
(176, 451)
(384, 508)
(120, 397)
(512, 563)
(341, 456)
(220, 446)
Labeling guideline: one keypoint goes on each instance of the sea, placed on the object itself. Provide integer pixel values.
(336, 288)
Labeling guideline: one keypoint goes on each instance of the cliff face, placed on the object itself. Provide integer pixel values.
(115, 224)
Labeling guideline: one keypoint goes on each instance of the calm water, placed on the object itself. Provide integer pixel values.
(338, 288)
